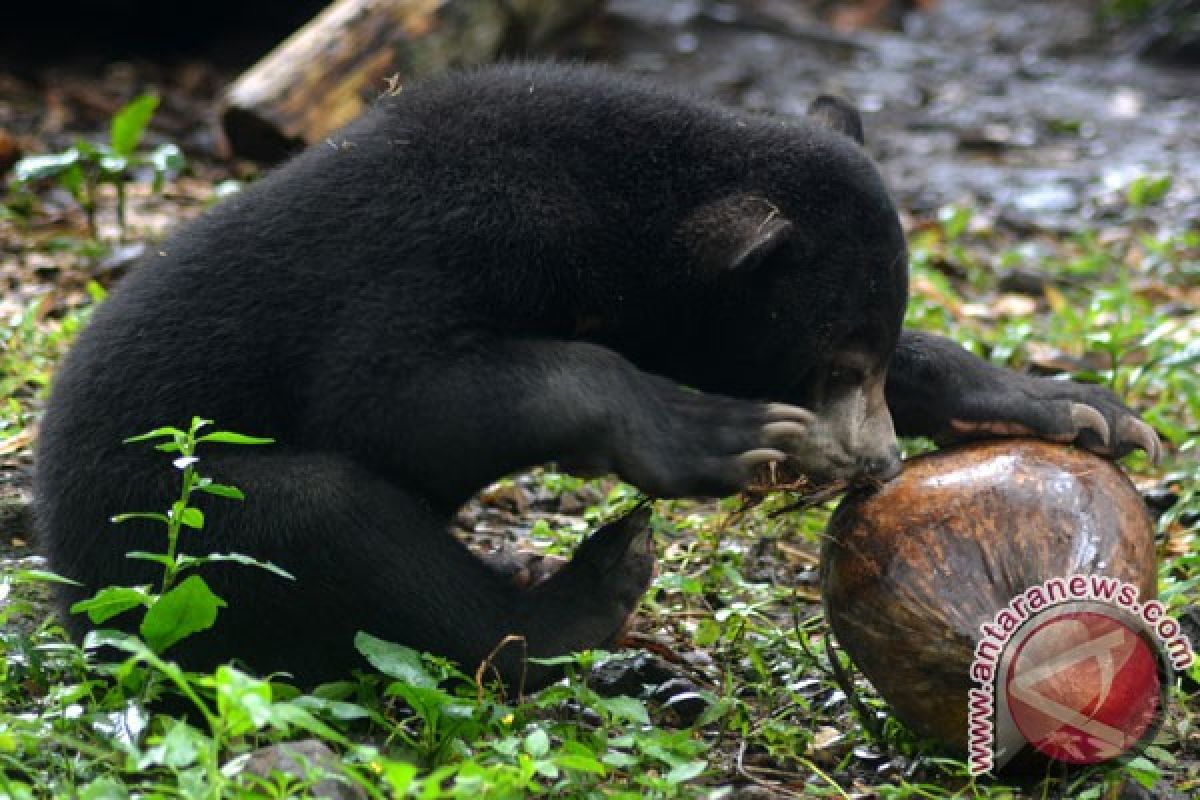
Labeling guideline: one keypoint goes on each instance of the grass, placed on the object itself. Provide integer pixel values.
(736, 605)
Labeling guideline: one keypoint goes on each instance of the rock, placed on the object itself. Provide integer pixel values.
(1160, 499)
(630, 676)
(673, 687)
(1023, 281)
(578, 501)
(301, 759)
(506, 495)
(684, 709)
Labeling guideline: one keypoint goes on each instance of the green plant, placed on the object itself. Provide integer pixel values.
(1146, 190)
(181, 607)
(83, 167)
(31, 343)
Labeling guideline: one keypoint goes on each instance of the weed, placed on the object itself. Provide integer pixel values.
(83, 167)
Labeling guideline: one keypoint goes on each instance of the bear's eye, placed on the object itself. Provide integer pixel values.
(846, 375)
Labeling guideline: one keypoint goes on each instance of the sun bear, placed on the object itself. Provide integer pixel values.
(491, 270)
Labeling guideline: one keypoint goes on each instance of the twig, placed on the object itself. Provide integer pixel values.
(484, 665)
(745, 772)
(847, 686)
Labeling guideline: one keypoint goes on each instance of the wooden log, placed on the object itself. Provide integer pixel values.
(327, 72)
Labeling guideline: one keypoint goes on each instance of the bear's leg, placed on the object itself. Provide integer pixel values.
(369, 556)
(937, 388)
(506, 405)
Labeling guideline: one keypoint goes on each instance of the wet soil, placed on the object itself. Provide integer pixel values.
(1032, 109)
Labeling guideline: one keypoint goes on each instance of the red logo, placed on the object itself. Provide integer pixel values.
(1083, 687)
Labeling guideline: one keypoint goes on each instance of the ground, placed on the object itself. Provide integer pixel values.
(1051, 190)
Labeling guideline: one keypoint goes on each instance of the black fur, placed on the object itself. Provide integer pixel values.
(489, 271)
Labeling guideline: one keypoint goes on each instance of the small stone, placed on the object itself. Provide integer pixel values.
(1132, 790)
(578, 501)
(630, 676)
(586, 717)
(869, 754)
(302, 759)
(506, 496)
(1159, 499)
(698, 659)
(673, 687)
(684, 709)
(1023, 281)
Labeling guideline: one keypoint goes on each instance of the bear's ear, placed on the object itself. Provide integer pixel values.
(837, 115)
(735, 233)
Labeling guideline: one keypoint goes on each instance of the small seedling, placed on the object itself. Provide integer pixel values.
(83, 167)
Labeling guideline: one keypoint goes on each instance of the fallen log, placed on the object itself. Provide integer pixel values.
(326, 73)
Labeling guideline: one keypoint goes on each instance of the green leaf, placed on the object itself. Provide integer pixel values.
(126, 643)
(287, 716)
(229, 437)
(157, 433)
(72, 180)
(1147, 190)
(186, 609)
(182, 745)
(190, 562)
(130, 122)
(103, 789)
(685, 772)
(157, 558)
(166, 159)
(1143, 770)
(40, 576)
(579, 762)
(707, 632)
(220, 490)
(178, 748)
(620, 760)
(399, 775)
(243, 701)
(394, 660)
(141, 515)
(35, 168)
(108, 603)
(627, 708)
(537, 743)
(430, 703)
(192, 517)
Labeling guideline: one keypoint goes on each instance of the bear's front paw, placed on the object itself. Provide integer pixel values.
(692, 444)
(1089, 416)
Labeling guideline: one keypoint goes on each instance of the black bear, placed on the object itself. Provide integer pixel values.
(492, 270)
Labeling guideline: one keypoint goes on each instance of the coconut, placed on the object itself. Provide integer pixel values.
(912, 569)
